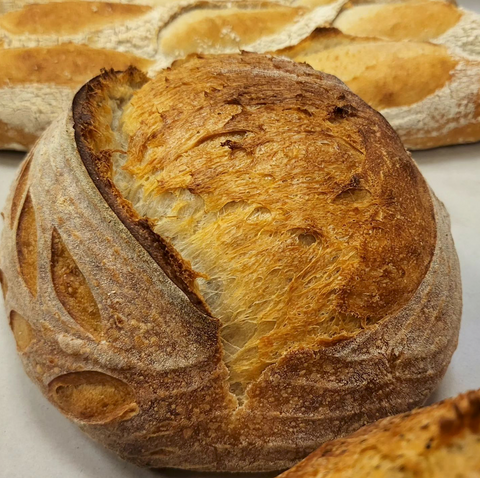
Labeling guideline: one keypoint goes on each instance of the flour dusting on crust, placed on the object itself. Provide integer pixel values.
(448, 108)
(464, 38)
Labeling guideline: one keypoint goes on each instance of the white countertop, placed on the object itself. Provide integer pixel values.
(37, 441)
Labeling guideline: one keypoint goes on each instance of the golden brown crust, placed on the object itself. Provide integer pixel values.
(352, 286)
(196, 31)
(27, 245)
(22, 331)
(62, 65)
(438, 441)
(160, 352)
(374, 2)
(68, 18)
(415, 21)
(320, 40)
(387, 75)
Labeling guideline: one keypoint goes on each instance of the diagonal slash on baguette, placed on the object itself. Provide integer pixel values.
(428, 93)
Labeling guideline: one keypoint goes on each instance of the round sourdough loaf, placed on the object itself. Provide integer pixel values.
(227, 265)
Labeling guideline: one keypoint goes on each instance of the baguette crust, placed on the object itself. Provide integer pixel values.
(145, 371)
(375, 2)
(417, 21)
(13, 5)
(429, 94)
(33, 90)
(438, 22)
(70, 18)
(437, 441)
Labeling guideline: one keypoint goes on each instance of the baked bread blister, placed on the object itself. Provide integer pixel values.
(417, 62)
(225, 266)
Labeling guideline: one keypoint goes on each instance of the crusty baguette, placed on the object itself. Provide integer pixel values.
(227, 265)
(428, 94)
(12, 5)
(376, 2)
(428, 107)
(441, 441)
(36, 83)
(420, 20)
(112, 35)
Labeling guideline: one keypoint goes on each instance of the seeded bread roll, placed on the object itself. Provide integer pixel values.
(223, 267)
(435, 442)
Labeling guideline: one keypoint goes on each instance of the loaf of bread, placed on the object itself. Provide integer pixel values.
(48, 50)
(11, 5)
(375, 2)
(436, 442)
(429, 94)
(225, 266)
(420, 20)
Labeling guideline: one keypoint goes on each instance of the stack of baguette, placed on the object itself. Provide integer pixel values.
(416, 61)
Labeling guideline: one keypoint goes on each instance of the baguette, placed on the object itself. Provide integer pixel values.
(438, 22)
(384, 2)
(428, 94)
(36, 83)
(435, 442)
(200, 285)
(12, 5)
(111, 35)
(433, 107)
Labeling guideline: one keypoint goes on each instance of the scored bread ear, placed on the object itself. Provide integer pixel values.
(428, 94)
(421, 20)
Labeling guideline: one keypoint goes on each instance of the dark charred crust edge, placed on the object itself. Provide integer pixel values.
(99, 168)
